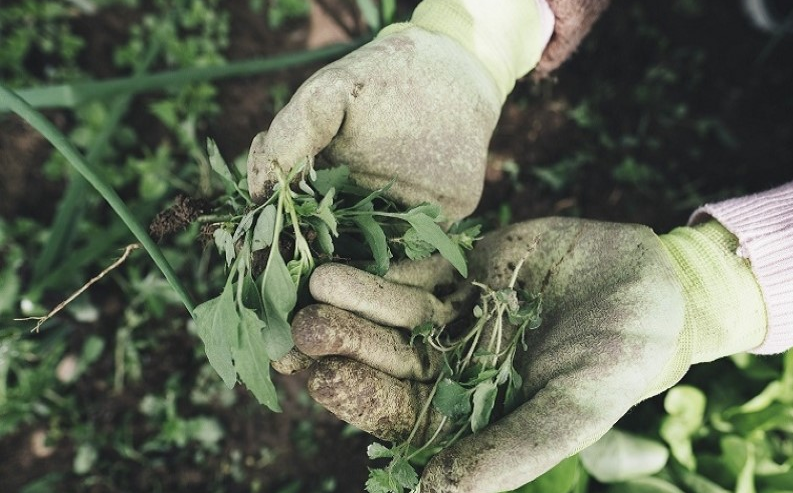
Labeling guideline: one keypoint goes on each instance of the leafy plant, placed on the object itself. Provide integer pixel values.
(270, 250)
(478, 366)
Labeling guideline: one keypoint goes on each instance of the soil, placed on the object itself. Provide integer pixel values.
(740, 84)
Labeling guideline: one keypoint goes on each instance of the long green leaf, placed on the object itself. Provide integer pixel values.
(60, 142)
(72, 95)
(430, 232)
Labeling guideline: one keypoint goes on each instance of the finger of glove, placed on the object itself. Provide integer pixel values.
(426, 274)
(324, 330)
(378, 299)
(369, 399)
(300, 130)
(292, 362)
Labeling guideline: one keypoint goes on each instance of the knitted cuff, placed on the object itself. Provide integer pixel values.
(506, 36)
(725, 313)
(763, 224)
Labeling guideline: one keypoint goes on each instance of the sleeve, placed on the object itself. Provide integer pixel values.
(763, 224)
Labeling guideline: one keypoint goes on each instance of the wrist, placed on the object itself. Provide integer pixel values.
(506, 36)
(725, 311)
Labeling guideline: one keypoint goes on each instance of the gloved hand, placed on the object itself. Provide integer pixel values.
(625, 313)
(418, 104)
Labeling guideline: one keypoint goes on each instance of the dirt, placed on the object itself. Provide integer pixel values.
(748, 97)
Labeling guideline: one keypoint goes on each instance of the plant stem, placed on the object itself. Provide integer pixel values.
(35, 119)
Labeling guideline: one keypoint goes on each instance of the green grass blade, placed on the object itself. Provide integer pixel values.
(35, 119)
(72, 95)
(72, 205)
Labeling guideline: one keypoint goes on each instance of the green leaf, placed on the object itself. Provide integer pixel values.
(381, 482)
(264, 231)
(375, 238)
(430, 232)
(324, 238)
(279, 296)
(404, 474)
(452, 399)
(620, 456)
(217, 322)
(415, 247)
(327, 179)
(685, 406)
(325, 213)
(225, 244)
(243, 226)
(378, 451)
(252, 361)
(427, 208)
(484, 400)
(217, 163)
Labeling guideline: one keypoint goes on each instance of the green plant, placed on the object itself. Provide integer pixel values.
(307, 216)
(478, 366)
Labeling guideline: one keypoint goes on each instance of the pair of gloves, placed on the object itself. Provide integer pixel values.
(625, 311)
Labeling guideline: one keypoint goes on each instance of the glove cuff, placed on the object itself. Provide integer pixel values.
(725, 312)
(506, 36)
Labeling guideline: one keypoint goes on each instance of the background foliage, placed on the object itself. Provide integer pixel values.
(667, 105)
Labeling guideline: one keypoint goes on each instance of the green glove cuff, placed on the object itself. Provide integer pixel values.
(504, 35)
(725, 311)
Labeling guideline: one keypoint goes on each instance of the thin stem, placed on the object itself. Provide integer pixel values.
(424, 410)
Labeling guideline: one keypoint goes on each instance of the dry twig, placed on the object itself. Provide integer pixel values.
(40, 320)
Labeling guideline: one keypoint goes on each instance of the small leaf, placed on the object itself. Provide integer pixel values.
(264, 230)
(279, 296)
(378, 451)
(327, 179)
(243, 226)
(303, 185)
(429, 209)
(404, 474)
(430, 232)
(252, 361)
(323, 235)
(225, 244)
(415, 247)
(375, 238)
(217, 163)
(326, 215)
(421, 331)
(216, 323)
(484, 400)
(381, 482)
(452, 399)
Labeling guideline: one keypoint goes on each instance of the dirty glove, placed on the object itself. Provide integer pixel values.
(625, 313)
(418, 104)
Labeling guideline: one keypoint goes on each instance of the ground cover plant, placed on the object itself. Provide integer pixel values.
(664, 107)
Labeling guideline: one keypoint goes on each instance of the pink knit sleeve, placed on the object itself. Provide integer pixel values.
(763, 224)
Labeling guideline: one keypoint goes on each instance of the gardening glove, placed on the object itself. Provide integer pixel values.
(417, 105)
(625, 313)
